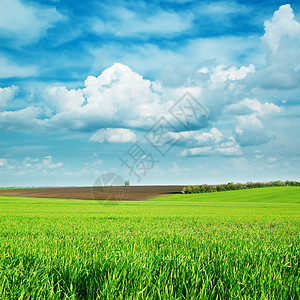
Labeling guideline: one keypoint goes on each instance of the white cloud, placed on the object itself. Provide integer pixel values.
(208, 143)
(198, 151)
(197, 137)
(47, 163)
(221, 8)
(282, 25)
(229, 148)
(175, 169)
(248, 106)
(258, 154)
(98, 162)
(3, 162)
(5, 165)
(173, 67)
(31, 165)
(24, 119)
(10, 69)
(118, 96)
(282, 42)
(64, 100)
(126, 23)
(7, 94)
(262, 109)
(279, 70)
(272, 159)
(252, 125)
(24, 22)
(221, 74)
(250, 131)
(44, 165)
(113, 135)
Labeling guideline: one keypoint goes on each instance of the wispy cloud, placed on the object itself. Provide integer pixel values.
(23, 23)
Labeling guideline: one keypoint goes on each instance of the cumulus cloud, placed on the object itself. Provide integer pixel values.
(222, 73)
(121, 100)
(229, 151)
(252, 126)
(24, 119)
(44, 166)
(41, 164)
(282, 25)
(197, 137)
(234, 150)
(208, 143)
(7, 94)
(118, 97)
(248, 106)
(113, 135)
(25, 23)
(47, 163)
(282, 43)
(250, 131)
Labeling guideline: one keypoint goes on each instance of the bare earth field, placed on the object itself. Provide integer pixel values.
(132, 193)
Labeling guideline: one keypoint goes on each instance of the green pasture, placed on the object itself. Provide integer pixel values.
(228, 245)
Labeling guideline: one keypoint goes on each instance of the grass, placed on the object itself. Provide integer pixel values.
(281, 194)
(238, 244)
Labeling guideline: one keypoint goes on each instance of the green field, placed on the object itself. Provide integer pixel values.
(228, 245)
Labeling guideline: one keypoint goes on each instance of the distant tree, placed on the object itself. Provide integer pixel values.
(201, 189)
(220, 188)
(195, 188)
(205, 188)
(213, 188)
(189, 190)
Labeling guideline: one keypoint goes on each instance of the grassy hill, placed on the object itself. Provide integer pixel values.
(284, 194)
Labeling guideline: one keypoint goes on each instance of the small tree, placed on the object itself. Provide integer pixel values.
(195, 188)
(201, 188)
(189, 190)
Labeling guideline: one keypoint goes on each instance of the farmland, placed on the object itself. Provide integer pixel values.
(98, 192)
(226, 245)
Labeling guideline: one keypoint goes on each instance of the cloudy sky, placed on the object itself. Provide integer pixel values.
(160, 92)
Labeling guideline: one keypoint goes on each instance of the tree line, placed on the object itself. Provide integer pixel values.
(206, 188)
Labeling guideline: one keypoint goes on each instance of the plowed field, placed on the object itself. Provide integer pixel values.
(120, 193)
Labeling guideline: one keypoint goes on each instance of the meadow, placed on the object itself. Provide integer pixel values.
(240, 244)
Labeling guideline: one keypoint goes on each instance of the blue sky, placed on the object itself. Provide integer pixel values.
(85, 84)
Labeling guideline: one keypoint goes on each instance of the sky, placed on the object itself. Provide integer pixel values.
(158, 92)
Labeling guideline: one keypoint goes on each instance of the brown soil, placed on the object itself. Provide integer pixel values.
(132, 193)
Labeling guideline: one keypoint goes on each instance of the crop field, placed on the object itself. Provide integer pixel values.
(131, 193)
(228, 245)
